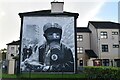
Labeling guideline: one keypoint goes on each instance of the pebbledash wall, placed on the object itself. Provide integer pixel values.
(97, 44)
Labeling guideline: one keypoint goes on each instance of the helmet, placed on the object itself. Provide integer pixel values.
(52, 27)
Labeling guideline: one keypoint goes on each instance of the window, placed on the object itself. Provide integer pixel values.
(114, 33)
(103, 34)
(105, 62)
(80, 62)
(97, 62)
(79, 37)
(79, 50)
(104, 48)
(12, 48)
(115, 46)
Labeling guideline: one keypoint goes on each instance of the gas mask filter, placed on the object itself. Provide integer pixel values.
(55, 52)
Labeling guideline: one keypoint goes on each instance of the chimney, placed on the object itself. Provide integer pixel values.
(57, 7)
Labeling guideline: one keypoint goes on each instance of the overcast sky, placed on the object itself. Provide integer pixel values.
(94, 10)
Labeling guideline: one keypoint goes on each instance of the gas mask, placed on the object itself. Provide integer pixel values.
(56, 55)
(53, 39)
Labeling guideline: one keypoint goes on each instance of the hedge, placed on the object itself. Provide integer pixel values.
(102, 72)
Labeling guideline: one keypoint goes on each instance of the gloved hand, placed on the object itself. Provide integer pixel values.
(46, 68)
(33, 66)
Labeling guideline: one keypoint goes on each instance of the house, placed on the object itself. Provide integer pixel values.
(98, 44)
(105, 37)
(36, 29)
(83, 42)
(12, 51)
(32, 28)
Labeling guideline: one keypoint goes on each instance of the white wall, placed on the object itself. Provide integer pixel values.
(94, 39)
(11, 61)
(11, 51)
(112, 39)
(11, 66)
(85, 44)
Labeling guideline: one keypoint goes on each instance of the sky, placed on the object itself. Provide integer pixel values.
(92, 10)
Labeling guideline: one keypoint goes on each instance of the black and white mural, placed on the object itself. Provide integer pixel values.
(48, 44)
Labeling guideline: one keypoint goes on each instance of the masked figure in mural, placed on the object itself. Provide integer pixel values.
(26, 52)
(53, 55)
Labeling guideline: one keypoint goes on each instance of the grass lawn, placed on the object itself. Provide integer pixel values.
(9, 76)
(45, 76)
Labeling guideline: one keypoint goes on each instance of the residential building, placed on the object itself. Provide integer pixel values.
(12, 51)
(105, 41)
(47, 21)
(31, 36)
(84, 52)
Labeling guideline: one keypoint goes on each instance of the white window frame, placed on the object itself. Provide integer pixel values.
(79, 38)
(103, 35)
(79, 49)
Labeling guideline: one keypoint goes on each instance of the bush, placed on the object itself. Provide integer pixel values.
(102, 72)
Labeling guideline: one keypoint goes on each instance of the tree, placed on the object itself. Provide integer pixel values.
(4, 52)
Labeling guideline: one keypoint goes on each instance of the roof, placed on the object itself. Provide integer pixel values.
(47, 13)
(83, 29)
(105, 24)
(91, 53)
(14, 43)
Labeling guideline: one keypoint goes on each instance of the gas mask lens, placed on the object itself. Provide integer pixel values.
(53, 36)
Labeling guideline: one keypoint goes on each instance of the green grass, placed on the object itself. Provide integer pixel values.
(0, 73)
(9, 76)
(44, 76)
(87, 73)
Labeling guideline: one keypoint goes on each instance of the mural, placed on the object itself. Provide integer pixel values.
(48, 44)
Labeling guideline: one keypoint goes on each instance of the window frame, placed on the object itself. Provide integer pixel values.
(106, 62)
(103, 35)
(115, 33)
(80, 50)
(115, 45)
(79, 38)
(105, 48)
(81, 62)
